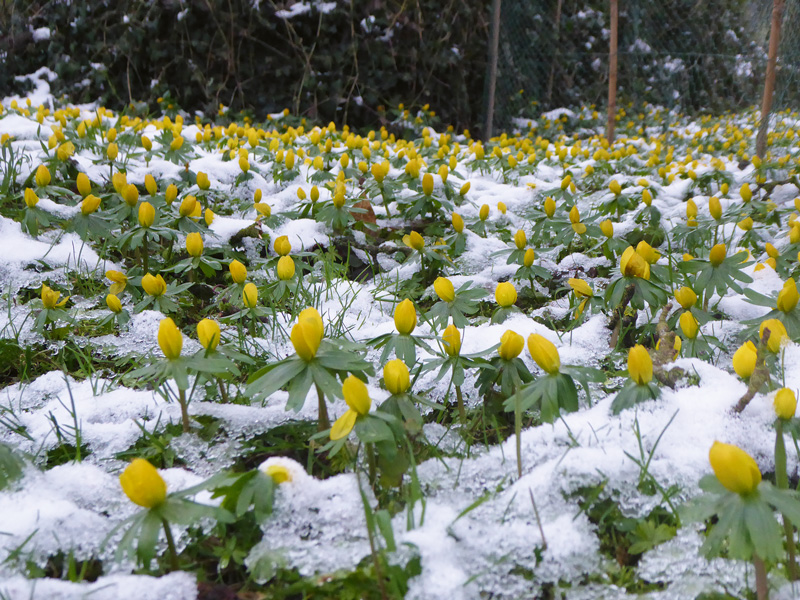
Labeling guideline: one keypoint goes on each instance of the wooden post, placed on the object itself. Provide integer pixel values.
(493, 46)
(769, 81)
(612, 71)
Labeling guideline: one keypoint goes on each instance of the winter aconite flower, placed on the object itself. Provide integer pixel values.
(250, 295)
(686, 297)
(113, 303)
(154, 285)
(90, 204)
(238, 271)
(520, 239)
(142, 484)
(777, 334)
(717, 254)
(511, 345)
(452, 340)
(396, 376)
(147, 214)
(632, 264)
(42, 177)
(170, 339)
(788, 296)
(689, 325)
(307, 334)
(405, 317)
(505, 294)
(202, 181)
(31, 199)
(444, 289)
(640, 365)
(282, 245)
(735, 469)
(544, 353)
(458, 223)
(358, 400)
(580, 287)
(285, 268)
(427, 184)
(785, 403)
(744, 360)
(50, 298)
(208, 333)
(414, 240)
(120, 281)
(194, 244)
(83, 184)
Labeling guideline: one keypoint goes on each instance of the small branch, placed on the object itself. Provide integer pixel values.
(538, 520)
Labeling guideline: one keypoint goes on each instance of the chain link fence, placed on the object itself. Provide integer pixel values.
(695, 56)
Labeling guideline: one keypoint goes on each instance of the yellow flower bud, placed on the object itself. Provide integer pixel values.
(511, 344)
(640, 365)
(615, 187)
(188, 206)
(544, 353)
(42, 176)
(147, 214)
(520, 239)
(566, 181)
(208, 216)
(112, 151)
(113, 303)
(146, 143)
(632, 264)
(194, 244)
(686, 297)
(734, 468)
(647, 197)
(788, 296)
(574, 215)
(170, 339)
(580, 287)
(689, 325)
(238, 271)
(130, 194)
(250, 295)
(50, 298)
(715, 207)
(31, 199)
(647, 252)
(208, 333)
(414, 240)
(458, 223)
(772, 251)
(153, 286)
(723, 189)
(282, 246)
(285, 268)
(120, 281)
(505, 294)
(171, 193)
(607, 227)
(142, 484)
(745, 224)
(427, 184)
(717, 254)
(90, 204)
(483, 214)
(306, 337)
(744, 360)
(396, 376)
(405, 317)
(549, 207)
(785, 403)
(777, 334)
(444, 289)
(464, 189)
(111, 135)
(150, 184)
(452, 340)
(202, 181)
(527, 260)
(83, 184)
(691, 209)
(745, 192)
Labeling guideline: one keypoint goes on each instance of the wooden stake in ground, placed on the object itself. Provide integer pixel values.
(769, 81)
(612, 71)
(493, 46)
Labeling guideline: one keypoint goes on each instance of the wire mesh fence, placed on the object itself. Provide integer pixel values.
(691, 55)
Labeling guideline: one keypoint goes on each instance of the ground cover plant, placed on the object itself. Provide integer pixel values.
(290, 360)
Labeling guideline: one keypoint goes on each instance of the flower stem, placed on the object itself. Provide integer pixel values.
(518, 431)
(145, 255)
(184, 410)
(173, 553)
(782, 482)
(223, 392)
(762, 590)
(324, 420)
(462, 412)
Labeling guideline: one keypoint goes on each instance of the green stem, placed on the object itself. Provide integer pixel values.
(782, 482)
(145, 255)
(462, 412)
(518, 431)
(223, 392)
(173, 553)
(324, 420)
(184, 410)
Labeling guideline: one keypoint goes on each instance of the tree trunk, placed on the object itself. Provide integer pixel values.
(769, 81)
(612, 71)
(493, 47)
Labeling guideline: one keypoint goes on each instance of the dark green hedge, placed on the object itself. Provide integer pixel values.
(337, 66)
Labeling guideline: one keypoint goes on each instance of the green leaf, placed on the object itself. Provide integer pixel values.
(298, 390)
(261, 386)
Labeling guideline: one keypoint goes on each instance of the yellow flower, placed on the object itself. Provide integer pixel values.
(520, 239)
(306, 337)
(580, 287)
(607, 227)
(458, 223)
(311, 315)
(501, 206)
(209, 216)
(717, 254)
(511, 344)
(444, 289)
(83, 184)
(777, 334)
(640, 365)
(31, 199)
(396, 376)
(745, 224)
(202, 181)
(676, 345)
(689, 325)
(142, 484)
(278, 473)
(42, 176)
(483, 214)
(414, 240)
(405, 317)
(130, 194)
(112, 151)
(171, 194)
(464, 189)
(263, 209)
(147, 214)
(194, 244)
(686, 297)
(715, 208)
(549, 207)
(427, 184)
(147, 144)
(188, 206)
(238, 271)
(544, 353)
(113, 303)
(505, 294)
(50, 298)
(452, 340)
(745, 192)
(208, 333)
(357, 398)
(154, 286)
(527, 260)
(282, 245)
(785, 403)
(170, 339)
(574, 215)
(566, 181)
(285, 268)
(250, 295)
(788, 296)
(647, 197)
(735, 469)
(615, 187)
(120, 281)
(632, 264)
(744, 360)
(647, 252)
(150, 184)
